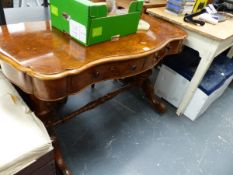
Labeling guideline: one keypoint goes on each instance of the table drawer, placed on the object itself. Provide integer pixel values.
(106, 71)
(154, 59)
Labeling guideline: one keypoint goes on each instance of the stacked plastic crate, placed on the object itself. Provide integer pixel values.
(180, 7)
(176, 73)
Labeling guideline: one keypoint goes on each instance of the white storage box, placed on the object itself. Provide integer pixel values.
(171, 86)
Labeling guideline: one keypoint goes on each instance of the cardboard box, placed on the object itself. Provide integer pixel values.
(89, 23)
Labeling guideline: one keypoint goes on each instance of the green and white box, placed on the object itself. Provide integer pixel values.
(89, 23)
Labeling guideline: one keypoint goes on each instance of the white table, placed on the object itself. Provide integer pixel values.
(209, 40)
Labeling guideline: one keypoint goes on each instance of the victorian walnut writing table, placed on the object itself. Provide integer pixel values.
(49, 66)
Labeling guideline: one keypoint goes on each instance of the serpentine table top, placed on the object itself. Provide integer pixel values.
(34, 54)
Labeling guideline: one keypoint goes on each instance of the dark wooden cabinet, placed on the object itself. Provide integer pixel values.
(43, 166)
(7, 3)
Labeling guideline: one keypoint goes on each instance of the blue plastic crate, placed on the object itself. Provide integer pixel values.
(220, 70)
(223, 65)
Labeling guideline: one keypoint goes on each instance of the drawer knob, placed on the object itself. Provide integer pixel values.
(156, 56)
(167, 49)
(97, 74)
(133, 68)
(112, 68)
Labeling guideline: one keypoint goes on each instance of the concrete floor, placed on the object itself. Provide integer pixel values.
(125, 136)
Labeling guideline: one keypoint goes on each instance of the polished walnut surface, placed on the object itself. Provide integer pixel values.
(44, 53)
(48, 64)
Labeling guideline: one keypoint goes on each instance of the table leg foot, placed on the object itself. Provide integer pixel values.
(148, 88)
(143, 81)
(92, 86)
(62, 168)
(60, 163)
